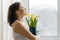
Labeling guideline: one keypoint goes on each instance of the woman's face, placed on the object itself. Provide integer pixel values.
(22, 11)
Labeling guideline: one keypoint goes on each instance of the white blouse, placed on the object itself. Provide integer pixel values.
(18, 36)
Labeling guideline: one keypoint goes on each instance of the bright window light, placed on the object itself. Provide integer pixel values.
(47, 10)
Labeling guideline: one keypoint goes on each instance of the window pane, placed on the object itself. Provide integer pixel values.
(47, 10)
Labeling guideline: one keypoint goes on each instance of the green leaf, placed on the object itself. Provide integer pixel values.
(35, 22)
(27, 21)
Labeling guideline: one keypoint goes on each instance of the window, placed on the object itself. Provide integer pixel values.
(47, 10)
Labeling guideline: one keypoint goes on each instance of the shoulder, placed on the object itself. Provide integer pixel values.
(16, 26)
(17, 23)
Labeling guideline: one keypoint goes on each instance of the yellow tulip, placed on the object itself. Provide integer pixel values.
(28, 15)
(33, 17)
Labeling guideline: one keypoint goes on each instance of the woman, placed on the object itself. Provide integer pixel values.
(16, 13)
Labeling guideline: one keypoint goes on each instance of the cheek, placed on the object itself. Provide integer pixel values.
(23, 11)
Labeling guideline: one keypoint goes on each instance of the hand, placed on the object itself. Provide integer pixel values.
(37, 37)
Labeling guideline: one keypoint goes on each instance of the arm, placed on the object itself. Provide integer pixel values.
(19, 28)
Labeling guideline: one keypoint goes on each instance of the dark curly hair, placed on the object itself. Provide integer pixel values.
(12, 12)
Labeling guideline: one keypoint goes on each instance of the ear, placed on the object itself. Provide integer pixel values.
(17, 11)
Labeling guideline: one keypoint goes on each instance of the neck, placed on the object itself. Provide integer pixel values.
(20, 18)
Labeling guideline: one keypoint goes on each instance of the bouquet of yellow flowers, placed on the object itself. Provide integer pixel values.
(32, 20)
